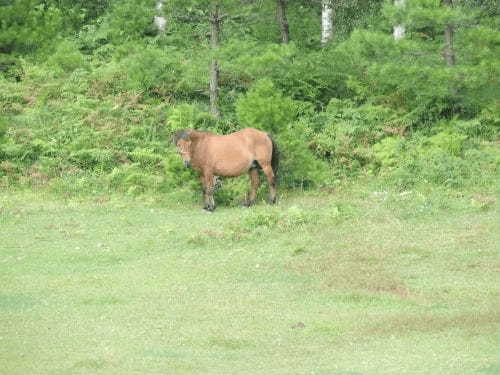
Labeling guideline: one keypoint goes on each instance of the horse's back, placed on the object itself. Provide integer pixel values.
(251, 137)
(234, 153)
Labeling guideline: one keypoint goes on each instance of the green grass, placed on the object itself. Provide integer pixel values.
(355, 282)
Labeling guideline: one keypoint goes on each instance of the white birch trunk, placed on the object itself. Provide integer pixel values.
(159, 20)
(399, 30)
(326, 21)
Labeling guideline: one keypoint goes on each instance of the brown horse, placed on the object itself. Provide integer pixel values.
(231, 155)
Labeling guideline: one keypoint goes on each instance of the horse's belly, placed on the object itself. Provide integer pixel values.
(231, 168)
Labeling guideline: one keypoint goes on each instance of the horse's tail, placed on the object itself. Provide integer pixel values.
(275, 158)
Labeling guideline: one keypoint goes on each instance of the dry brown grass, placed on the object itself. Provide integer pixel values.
(474, 323)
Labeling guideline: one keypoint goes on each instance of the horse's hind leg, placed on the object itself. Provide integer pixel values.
(271, 179)
(254, 185)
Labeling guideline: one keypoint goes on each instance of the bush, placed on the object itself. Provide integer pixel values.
(344, 134)
(129, 19)
(10, 67)
(148, 68)
(299, 168)
(134, 180)
(388, 151)
(28, 25)
(445, 159)
(66, 57)
(177, 176)
(3, 130)
(93, 159)
(145, 158)
(189, 116)
(264, 107)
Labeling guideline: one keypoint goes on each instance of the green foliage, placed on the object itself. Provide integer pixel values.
(134, 180)
(271, 218)
(147, 69)
(3, 129)
(448, 158)
(344, 133)
(264, 107)
(419, 14)
(129, 19)
(10, 67)
(299, 168)
(388, 151)
(66, 57)
(28, 25)
(90, 93)
(93, 159)
(189, 116)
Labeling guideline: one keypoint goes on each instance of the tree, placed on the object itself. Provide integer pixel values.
(282, 20)
(215, 21)
(159, 20)
(399, 30)
(27, 25)
(449, 53)
(326, 21)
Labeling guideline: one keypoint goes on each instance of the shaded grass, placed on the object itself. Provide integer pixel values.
(349, 283)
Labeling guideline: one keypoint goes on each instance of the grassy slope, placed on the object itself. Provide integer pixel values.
(357, 283)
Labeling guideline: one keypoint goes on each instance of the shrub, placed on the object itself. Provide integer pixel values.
(264, 107)
(28, 25)
(134, 180)
(3, 130)
(189, 116)
(299, 168)
(443, 159)
(344, 134)
(388, 151)
(66, 57)
(94, 159)
(448, 141)
(148, 68)
(145, 157)
(129, 19)
(10, 67)
(176, 175)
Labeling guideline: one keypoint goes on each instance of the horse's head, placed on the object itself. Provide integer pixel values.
(183, 143)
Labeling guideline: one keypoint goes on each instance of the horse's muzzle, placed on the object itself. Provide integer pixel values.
(187, 164)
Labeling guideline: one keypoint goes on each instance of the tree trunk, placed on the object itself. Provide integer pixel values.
(282, 20)
(449, 52)
(399, 30)
(326, 21)
(214, 66)
(159, 20)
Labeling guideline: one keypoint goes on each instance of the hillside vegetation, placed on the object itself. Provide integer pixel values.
(90, 92)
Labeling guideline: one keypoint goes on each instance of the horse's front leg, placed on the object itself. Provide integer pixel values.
(208, 192)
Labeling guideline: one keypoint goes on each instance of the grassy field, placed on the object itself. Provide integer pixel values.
(355, 282)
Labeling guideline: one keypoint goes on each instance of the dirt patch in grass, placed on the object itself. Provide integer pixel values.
(364, 268)
(473, 322)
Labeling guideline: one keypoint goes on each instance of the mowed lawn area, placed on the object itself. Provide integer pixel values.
(353, 282)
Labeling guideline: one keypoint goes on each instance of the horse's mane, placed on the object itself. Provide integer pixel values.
(187, 134)
(181, 134)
